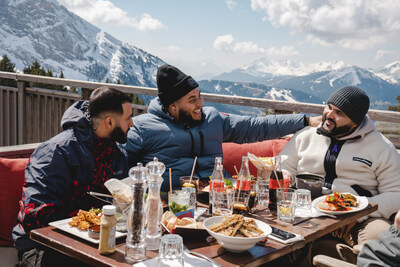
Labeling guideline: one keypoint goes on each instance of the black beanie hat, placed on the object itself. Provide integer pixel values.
(173, 84)
(353, 101)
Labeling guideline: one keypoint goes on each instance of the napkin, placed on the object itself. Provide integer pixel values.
(190, 260)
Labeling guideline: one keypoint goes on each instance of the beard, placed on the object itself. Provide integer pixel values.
(117, 135)
(336, 131)
(186, 118)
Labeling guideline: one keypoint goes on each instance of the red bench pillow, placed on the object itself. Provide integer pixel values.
(12, 179)
(232, 153)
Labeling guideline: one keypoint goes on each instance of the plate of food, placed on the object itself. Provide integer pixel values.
(79, 225)
(237, 233)
(340, 203)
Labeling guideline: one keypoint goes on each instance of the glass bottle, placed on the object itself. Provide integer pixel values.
(275, 181)
(135, 248)
(154, 206)
(243, 188)
(108, 224)
(217, 181)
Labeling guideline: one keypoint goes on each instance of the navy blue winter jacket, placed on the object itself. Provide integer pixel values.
(61, 171)
(156, 134)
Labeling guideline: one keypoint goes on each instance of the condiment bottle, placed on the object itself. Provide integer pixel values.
(217, 181)
(107, 230)
(243, 188)
(275, 181)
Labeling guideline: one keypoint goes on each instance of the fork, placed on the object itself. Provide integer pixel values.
(214, 263)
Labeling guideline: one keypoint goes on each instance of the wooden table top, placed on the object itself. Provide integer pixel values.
(310, 229)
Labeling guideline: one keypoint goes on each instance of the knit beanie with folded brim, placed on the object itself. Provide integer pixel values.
(173, 84)
(353, 101)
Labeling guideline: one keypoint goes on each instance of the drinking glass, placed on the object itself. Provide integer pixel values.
(241, 203)
(192, 197)
(171, 251)
(253, 198)
(263, 193)
(223, 202)
(286, 204)
(122, 210)
(303, 203)
(185, 182)
(178, 200)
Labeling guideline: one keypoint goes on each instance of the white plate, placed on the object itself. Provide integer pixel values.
(64, 226)
(362, 204)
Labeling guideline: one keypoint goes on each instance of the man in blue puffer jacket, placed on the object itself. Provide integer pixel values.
(63, 169)
(177, 128)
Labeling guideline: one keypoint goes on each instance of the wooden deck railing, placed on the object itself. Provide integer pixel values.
(31, 115)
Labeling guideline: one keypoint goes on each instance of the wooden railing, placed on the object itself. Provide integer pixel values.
(31, 115)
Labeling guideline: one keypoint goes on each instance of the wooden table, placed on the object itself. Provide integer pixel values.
(310, 229)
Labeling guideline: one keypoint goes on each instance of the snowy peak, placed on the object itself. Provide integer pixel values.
(390, 73)
(266, 67)
(59, 40)
(348, 75)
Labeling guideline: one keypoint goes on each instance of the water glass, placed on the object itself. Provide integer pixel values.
(303, 203)
(171, 251)
(223, 202)
(121, 214)
(192, 198)
(263, 193)
(185, 182)
(286, 204)
(178, 200)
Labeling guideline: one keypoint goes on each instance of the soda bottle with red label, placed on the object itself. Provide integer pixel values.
(217, 181)
(275, 182)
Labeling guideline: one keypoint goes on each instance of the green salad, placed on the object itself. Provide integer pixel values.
(175, 207)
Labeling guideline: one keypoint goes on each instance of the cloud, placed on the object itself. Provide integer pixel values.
(173, 48)
(382, 53)
(103, 11)
(284, 51)
(231, 4)
(354, 24)
(227, 43)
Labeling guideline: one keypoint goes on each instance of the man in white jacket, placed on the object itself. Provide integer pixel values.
(353, 157)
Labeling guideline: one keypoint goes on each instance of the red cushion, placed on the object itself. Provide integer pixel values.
(11, 181)
(232, 153)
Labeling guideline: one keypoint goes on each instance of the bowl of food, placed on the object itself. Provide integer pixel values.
(311, 182)
(94, 231)
(237, 233)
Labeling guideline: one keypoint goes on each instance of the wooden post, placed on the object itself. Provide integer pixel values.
(21, 112)
(85, 94)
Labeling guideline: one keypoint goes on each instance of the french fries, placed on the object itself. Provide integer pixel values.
(236, 225)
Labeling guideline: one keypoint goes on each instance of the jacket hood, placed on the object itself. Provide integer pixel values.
(77, 116)
(155, 108)
(365, 127)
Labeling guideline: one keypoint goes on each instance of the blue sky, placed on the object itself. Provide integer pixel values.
(214, 36)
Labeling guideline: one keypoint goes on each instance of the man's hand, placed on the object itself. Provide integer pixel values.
(314, 121)
(344, 231)
(397, 220)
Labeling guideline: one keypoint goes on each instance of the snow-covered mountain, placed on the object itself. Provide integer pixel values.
(59, 40)
(251, 90)
(389, 73)
(321, 79)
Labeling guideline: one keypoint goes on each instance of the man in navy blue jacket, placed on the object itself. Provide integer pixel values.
(177, 128)
(63, 169)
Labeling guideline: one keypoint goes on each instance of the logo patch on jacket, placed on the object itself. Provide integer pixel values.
(365, 161)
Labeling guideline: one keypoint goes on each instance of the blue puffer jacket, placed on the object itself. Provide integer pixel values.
(156, 134)
(61, 171)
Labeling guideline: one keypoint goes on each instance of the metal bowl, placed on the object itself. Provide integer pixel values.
(314, 183)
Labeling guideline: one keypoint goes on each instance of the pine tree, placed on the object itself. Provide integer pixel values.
(395, 107)
(8, 66)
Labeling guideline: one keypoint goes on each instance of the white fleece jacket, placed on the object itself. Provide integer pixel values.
(371, 162)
